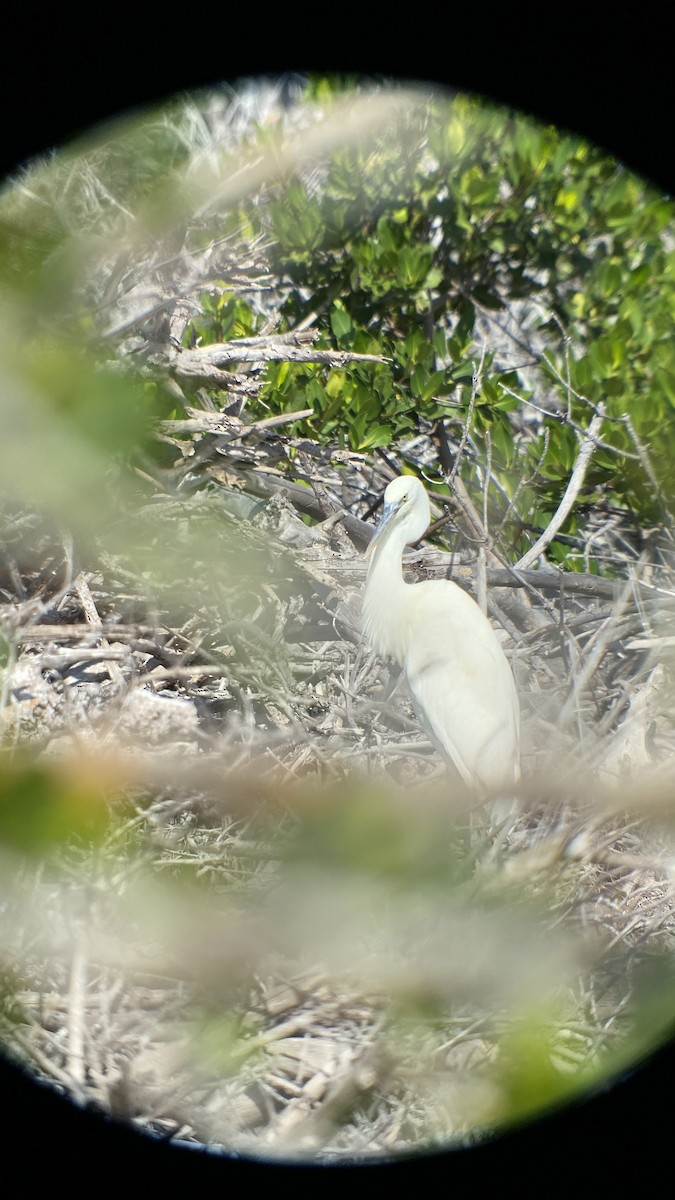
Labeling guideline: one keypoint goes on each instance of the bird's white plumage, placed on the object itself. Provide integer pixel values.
(459, 678)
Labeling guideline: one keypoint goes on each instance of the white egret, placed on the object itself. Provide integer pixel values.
(458, 675)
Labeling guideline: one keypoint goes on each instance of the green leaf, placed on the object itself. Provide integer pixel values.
(341, 322)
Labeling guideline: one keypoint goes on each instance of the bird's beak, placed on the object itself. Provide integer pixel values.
(388, 514)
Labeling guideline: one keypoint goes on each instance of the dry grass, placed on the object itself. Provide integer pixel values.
(186, 973)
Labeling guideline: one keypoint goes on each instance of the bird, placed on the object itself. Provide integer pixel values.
(459, 678)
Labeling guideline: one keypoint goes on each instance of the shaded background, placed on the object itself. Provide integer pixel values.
(595, 72)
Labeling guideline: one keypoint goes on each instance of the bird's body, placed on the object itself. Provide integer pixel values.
(459, 678)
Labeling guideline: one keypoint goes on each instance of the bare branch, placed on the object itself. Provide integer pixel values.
(571, 493)
(231, 427)
(91, 614)
(219, 354)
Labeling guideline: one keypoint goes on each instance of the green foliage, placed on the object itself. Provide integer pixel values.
(41, 808)
(366, 833)
(531, 1074)
(89, 189)
(456, 216)
(223, 316)
(414, 243)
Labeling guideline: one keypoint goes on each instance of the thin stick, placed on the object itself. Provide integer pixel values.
(599, 643)
(75, 1052)
(92, 617)
(571, 493)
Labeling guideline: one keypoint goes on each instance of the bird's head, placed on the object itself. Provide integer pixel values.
(406, 508)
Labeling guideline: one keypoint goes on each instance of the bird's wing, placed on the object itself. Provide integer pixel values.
(462, 686)
(479, 736)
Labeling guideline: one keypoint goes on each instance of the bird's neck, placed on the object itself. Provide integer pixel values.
(386, 600)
